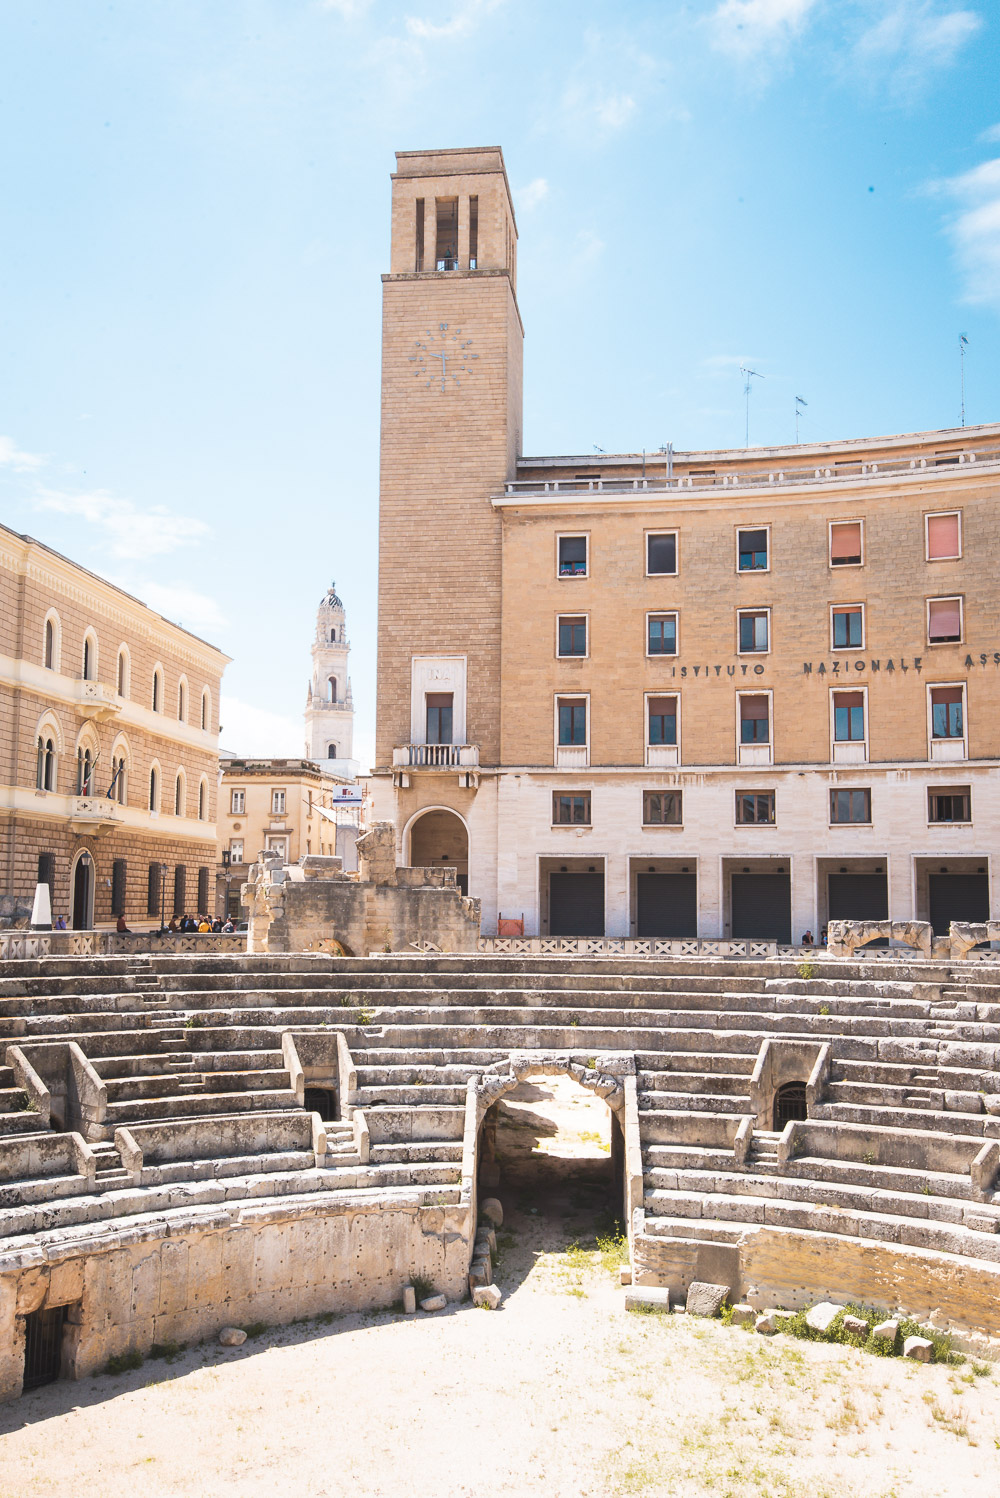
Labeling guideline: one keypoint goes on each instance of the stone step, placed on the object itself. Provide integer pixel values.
(405, 1153)
(138, 1110)
(714, 1102)
(938, 1206)
(722, 1084)
(393, 1097)
(884, 1115)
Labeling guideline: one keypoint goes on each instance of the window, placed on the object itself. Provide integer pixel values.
(45, 770)
(84, 772)
(944, 536)
(571, 808)
(572, 720)
(237, 803)
(277, 803)
(572, 635)
(572, 556)
(850, 806)
(848, 717)
(180, 889)
(952, 803)
(754, 631)
(754, 808)
(154, 790)
(278, 845)
(947, 716)
(179, 797)
(206, 711)
(331, 751)
(755, 726)
(118, 869)
(203, 891)
(662, 808)
(848, 626)
(473, 231)
(89, 657)
(419, 264)
(751, 551)
(661, 554)
(119, 775)
(202, 802)
(661, 634)
(440, 708)
(331, 689)
(846, 543)
(50, 644)
(333, 634)
(662, 720)
(944, 621)
(181, 702)
(157, 692)
(154, 888)
(446, 252)
(122, 674)
(235, 850)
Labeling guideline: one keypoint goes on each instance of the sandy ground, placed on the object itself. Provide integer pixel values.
(559, 1393)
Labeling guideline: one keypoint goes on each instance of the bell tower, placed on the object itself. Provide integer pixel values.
(329, 714)
(451, 434)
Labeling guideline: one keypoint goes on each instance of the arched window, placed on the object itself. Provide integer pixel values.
(84, 771)
(331, 751)
(123, 672)
(206, 710)
(182, 700)
(51, 641)
(45, 775)
(119, 772)
(179, 796)
(331, 689)
(90, 656)
(154, 789)
(333, 634)
(157, 691)
(202, 801)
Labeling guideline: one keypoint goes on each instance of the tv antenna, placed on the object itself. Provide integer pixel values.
(798, 402)
(749, 375)
(598, 449)
(963, 344)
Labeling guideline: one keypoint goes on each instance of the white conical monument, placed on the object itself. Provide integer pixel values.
(329, 714)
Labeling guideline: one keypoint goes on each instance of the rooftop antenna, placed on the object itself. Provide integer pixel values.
(598, 449)
(963, 344)
(749, 375)
(798, 402)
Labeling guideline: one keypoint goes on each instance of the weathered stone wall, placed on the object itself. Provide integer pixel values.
(185, 1275)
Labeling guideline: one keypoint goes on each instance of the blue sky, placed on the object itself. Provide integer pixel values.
(195, 218)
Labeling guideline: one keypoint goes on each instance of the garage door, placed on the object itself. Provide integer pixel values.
(859, 897)
(762, 906)
(576, 904)
(958, 897)
(666, 905)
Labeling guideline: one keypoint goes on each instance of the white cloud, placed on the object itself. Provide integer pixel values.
(913, 39)
(746, 28)
(992, 135)
(462, 22)
(351, 10)
(132, 534)
(11, 456)
(247, 729)
(975, 229)
(183, 605)
(529, 197)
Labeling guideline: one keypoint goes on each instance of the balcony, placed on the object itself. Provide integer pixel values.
(572, 756)
(93, 814)
(435, 756)
(95, 700)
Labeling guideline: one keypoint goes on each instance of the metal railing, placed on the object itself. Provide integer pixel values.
(436, 756)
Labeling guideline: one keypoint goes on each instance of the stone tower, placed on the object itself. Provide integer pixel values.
(451, 434)
(329, 711)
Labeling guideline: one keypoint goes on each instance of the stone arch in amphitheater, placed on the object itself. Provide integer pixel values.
(437, 836)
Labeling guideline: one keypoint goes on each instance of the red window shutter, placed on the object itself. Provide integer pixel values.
(753, 707)
(845, 540)
(944, 618)
(942, 536)
(848, 699)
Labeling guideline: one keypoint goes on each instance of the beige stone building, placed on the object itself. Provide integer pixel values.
(723, 694)
(108, 746)
(290, 806)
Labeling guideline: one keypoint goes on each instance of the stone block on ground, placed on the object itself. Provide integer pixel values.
(487, 1233)
(743, 1313)
(232, 1336)
(409, 1300)
(886, 1330)
(855, 1326)
(487, 1295)
(492, 1210)
(919, 1349)
(648, 1297)
(765, 1324)
(704, 1299)
(625, 1274)
(820, 1318)
(434, 1303)
(483, 1266)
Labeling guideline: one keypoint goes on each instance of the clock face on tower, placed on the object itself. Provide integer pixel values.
(442, 358)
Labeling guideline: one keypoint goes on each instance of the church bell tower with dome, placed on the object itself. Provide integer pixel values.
(329, 714)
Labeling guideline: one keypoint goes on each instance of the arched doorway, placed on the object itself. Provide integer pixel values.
(789, 1104)
(438, 839)
(82, 886)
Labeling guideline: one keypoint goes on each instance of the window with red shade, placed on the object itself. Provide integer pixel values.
(944, 621)
(846, 543)
(944, 537)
